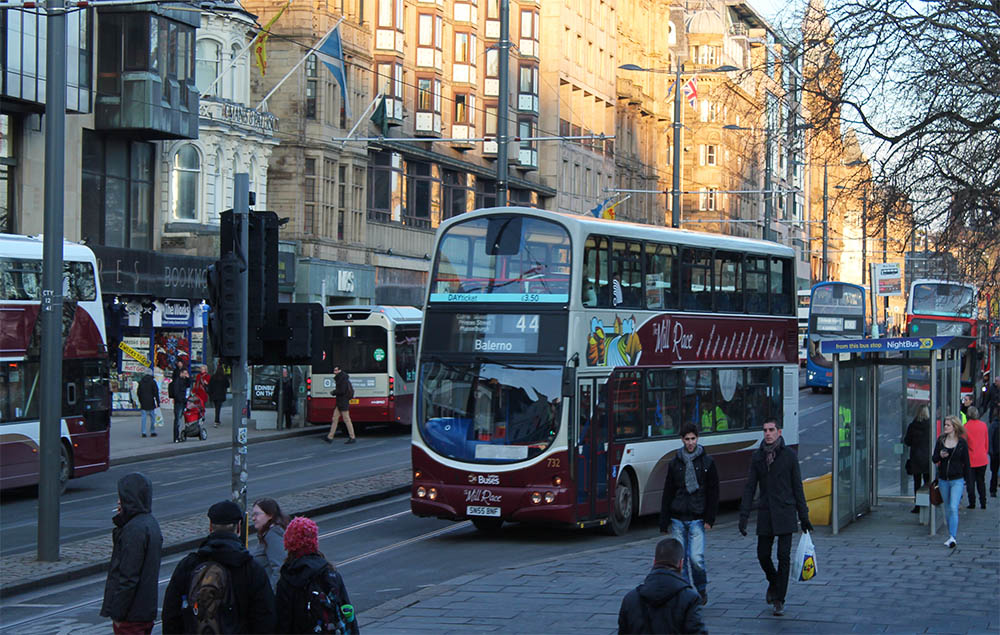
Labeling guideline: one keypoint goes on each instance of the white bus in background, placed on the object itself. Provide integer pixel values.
(377, 347)
(803, 316)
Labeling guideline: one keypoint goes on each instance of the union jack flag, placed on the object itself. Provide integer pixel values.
(691, 90)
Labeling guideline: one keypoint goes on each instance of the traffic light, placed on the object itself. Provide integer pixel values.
(224, 309)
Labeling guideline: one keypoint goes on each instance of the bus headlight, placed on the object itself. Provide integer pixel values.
(432, 494)
(421, 492)
(549, 497)
(557, 480)
(536, 498)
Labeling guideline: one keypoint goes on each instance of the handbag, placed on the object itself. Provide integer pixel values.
(935, 493)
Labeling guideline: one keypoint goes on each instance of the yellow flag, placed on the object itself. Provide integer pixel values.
(260, 45)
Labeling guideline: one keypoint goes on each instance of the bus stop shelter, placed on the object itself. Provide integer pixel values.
(879, 388)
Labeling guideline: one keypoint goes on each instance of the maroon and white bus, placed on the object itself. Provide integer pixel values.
(86, 400)
(377, 347)
(561, 354)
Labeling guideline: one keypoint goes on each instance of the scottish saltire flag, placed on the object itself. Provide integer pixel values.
(333, 53)
(691, 90)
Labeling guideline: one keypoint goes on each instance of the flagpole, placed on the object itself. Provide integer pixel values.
(357, 123)
(299, 63)
(232, 64)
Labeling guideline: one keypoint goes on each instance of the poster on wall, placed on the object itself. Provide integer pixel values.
(169, 347)
(124, 379)
(198, 345)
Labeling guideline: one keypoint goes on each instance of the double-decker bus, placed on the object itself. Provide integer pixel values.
(836, 311)
(561, 354)
(86, 399)
(377, 347)
(804, 295)
(941, 308)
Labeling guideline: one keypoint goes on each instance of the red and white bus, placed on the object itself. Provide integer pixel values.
(86, 400)
(377, 347)
(561, 354)
(942, 308)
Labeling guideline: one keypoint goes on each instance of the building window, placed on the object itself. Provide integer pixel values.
(425, 94)
(709, 154)
(7, 165)
(420, 182)
(384, 174)
(459, 195)
(490, 121)
(184, 183)
(464, 47)
(528, 80)
(311, 88)
(529, 33)
(465, 106)
(117, 185)
(707, 200)
(208, 65)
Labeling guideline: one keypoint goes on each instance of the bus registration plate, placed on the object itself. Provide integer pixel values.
(354, 402)
(477, 510)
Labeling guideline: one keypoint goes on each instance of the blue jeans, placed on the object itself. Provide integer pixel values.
(951, 492)
(691, 534)
(152, 420)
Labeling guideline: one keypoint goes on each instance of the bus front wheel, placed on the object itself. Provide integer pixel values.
(487, 525)
(623, 506)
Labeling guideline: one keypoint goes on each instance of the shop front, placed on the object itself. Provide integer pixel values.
(155, 316)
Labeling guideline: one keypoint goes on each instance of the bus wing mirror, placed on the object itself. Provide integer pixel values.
(569, 382)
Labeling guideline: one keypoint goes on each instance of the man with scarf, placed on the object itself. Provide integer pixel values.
(775, 468)
(690, 504)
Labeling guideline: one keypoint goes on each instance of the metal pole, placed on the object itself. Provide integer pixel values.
(241, 373)
(768, 195)
(502, 106)
(826, 226)
(50, 408)
(835, 476)
(675, 186)
(885, 258)
(864, 238)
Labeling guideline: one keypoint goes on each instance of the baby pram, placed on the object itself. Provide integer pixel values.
(194, 414)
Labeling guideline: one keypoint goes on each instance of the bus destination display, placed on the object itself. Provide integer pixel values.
(492, 333)
(495, 333)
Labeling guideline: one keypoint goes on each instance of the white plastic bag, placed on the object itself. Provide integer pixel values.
(158, 417)
(805, 559)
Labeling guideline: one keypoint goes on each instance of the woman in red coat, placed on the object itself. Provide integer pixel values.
(979, 445)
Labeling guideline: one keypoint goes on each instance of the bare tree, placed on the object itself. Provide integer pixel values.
(920, 83)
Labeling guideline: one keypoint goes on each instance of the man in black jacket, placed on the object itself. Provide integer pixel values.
(775, 468)
(149, 401)
(178, 390)
(664, 602)
(130, 593)
(253, 610)
(690, 504)
(991, 410)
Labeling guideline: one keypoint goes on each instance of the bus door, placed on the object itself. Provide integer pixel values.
(591, 451)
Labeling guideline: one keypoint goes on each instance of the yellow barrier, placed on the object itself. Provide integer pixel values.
(819, 497)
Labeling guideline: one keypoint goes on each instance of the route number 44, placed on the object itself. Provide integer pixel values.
(527, 323)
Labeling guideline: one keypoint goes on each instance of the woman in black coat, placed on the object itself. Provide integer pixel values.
(218, 386)
(918, 438)
(284, 397)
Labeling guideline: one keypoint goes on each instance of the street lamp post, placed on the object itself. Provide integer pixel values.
(675, 182)
(826, 224)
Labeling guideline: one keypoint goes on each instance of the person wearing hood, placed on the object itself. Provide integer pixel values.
(130, 593)
(253, 601)
(690, 504)
(664, 602)
(775, 469)
(306, 567)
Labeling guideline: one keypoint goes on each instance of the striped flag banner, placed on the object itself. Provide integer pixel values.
(691, 90)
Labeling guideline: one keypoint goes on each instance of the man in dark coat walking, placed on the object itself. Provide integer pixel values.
(991, 410)
(149, 401)
(130, 593)
(178, 390)
(690, 504)
(775, 469)
(664, 602)
(284, 399)
(218, 386)
(253, 599)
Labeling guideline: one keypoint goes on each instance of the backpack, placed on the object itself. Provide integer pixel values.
(350, 389)
(324, 608)
(210, 599)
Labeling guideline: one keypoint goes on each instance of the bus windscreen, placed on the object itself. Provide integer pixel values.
(943, 299)
(502, 259)
(356, 349)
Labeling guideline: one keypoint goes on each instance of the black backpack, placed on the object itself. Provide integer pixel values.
(210, 599)
(350, 389)
(324, 608)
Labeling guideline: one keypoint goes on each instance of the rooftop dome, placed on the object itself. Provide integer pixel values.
(706, 21)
